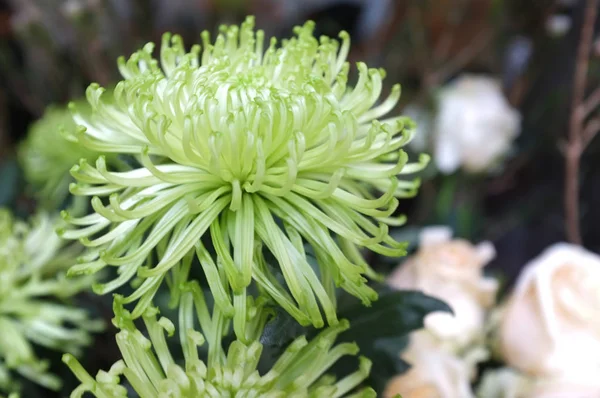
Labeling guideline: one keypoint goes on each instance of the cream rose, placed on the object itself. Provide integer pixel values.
(434, 373)
(450, 270)
(550, 326)
(475, 125)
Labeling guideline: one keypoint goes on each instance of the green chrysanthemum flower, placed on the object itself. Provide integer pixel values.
(264, 149)
(150, 369)
(46, 156)
(32, 294)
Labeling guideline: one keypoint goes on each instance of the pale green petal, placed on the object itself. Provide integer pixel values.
(33, 290)
(260, 149)
(150, 368)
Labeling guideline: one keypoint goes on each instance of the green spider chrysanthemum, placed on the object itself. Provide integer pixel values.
(46, 156)
(33, 288)
(259, 149)
(150, 369)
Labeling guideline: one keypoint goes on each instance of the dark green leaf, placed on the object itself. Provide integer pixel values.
(395, 313)
(381, 331)
(278, 334)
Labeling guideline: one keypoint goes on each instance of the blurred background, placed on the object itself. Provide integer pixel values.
(502, 168)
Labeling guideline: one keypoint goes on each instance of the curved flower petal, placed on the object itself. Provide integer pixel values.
(261, 150)
(149, 366)
(32, 289)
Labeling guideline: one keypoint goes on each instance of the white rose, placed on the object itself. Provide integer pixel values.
(550, 325)
(450, 270)
(434, 373)
(475, 125)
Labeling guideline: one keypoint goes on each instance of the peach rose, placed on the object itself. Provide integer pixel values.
(434, 373)
(450, 270)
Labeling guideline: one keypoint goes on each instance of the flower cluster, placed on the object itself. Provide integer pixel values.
(32, 290)
(546, 332)
(260, 151)
(451, 270)
(149, 367)
(444, 355)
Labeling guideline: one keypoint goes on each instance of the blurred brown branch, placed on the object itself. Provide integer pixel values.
(580, 132)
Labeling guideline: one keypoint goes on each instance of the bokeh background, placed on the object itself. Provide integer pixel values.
(50, 50)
